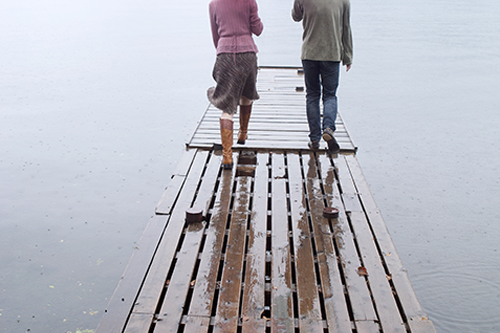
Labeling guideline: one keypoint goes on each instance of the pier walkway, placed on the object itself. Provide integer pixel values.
(270, 255)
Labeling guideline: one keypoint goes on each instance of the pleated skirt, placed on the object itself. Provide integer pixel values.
(236, 76)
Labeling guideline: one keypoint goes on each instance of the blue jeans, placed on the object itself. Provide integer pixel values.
(318, 75)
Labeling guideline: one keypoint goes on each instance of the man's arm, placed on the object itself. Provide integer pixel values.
(347, 37)
(297, 11)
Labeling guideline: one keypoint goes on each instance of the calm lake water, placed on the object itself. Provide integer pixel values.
(97, 99)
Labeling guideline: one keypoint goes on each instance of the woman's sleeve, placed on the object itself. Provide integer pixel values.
(213, 24)
(255, 22)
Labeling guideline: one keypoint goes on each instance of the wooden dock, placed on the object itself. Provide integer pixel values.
(265, 259)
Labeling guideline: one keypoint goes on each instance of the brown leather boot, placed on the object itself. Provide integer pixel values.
(226, 135)
(245, 111)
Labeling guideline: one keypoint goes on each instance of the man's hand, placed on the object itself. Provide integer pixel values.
(348, 67)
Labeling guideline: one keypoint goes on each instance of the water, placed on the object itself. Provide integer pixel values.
(97, 99)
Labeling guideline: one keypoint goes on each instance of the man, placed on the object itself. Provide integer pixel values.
(327, 41)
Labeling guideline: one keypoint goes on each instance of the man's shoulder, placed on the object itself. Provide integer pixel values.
(327, 2)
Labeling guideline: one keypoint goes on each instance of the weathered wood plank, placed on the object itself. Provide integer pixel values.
(380, 288)
(256, 139)
(206, 280)
(281, 283)
(226, 319)
(307, 289)
(357, 289)
(367, 326)
(196, 324)
(264, 144)
(211, 136)
(256, 120)
(331, 281)
(263, 139)
(417, 319)
(253, 301)
(139, 323)
(283, 133)
(173, 305)
(156, 278)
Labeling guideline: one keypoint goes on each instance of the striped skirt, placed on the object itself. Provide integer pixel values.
(236, 76)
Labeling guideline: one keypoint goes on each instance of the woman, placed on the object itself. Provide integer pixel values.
(233, 22)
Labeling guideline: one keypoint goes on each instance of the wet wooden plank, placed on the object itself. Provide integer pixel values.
(206, 280)
(253, 301)
(173, 305)
(387, 309)
(367, 327)
(151, 291)
(138, 323)
(196, 324)
(307, 289)
(285, 134)
(357, 289)
(264, 144)
(417, 319)
(168, 198)
(261, 139)
(336, 306)
(281, 283)
(122, 301)
(226, 319)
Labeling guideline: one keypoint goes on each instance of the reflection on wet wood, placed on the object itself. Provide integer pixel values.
(265, 259)
(310, 319)
(206, 285)
(357, 290)
(319, 193)
(253, 300)
(226, 318)
(282, 316)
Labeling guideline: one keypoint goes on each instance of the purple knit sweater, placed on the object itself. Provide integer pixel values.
(233, 22)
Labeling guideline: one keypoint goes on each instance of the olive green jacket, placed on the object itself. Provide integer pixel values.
(327, 29)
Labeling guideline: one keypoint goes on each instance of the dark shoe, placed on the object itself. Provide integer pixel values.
(313, 145)
(327, 134)
(333, 146)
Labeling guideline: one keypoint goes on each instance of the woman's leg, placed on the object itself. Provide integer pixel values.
(226, 134)
(245, 110)
(313, 94)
